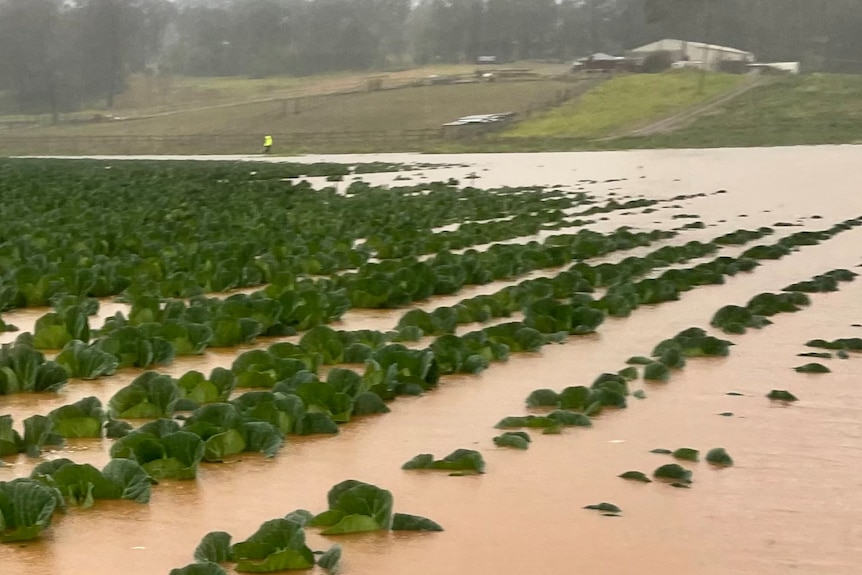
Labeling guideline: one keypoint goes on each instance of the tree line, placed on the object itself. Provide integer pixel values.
(59, 55)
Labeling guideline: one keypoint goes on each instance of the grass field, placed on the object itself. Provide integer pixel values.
(625, 102)
(148, 95)
(184, 92)
(808, 109)
(388, 110)
(813, 109)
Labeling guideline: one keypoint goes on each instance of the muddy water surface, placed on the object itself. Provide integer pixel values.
(790, 505)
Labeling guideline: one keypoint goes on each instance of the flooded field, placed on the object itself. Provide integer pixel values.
(790, 504)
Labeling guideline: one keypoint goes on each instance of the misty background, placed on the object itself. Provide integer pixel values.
(64, 55)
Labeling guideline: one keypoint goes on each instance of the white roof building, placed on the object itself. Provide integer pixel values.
(709, 54)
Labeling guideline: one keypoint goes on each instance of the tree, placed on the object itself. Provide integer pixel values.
(103, 46)
(33, 41)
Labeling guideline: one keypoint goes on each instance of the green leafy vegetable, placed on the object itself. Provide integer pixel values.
(686, 454)
(207, 568)
(277, 545)
(718, 456)
(636, 476)
(781, 395)
(26, 508)
(605, 507)
(83, 418)
(163, 453)
(516, 439)
(673, 471)
(330, 559)
(215, 547)
(149, 396)
(405, 522)
(86, 362)
(812, 368)
(458, 460)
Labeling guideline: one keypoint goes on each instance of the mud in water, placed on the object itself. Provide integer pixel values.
(789, 505)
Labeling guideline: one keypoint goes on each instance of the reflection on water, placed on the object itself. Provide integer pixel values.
(789, 505)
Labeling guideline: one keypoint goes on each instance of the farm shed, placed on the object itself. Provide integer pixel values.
(697, 53)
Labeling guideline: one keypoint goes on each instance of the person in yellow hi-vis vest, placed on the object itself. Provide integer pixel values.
(267, 144)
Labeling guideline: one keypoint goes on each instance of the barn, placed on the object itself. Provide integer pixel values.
(697, 54)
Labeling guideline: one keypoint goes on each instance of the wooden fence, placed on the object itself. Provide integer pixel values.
(293, 142)
(210, 144)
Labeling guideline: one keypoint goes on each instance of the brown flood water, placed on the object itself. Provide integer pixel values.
(790, 505)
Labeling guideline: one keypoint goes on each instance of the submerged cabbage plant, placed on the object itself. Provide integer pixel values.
(845, 344)
(200, 389)
(355, 507)
(55, 329)
(284, 411)
(515, 439)
(264, 368)
(230, 331)
(37, 434)
(81, 484)
(277, 545)
(459, 460)
(463, 355)
(151, 395)
(227, 431)
(187, 338)
(83, 418)
(206, 568)
(86, 361)
(694, 342)
(325, 341)
(133, 347)
(24, 369)
(26, 509)
(812, 368)
(162, 449)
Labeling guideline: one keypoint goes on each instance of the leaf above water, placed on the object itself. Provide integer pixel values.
(330, 560)
(207, 568)
(636, 476)
(812, 368)
(781, 395)
(405, 522)
(215, 547)
(718, 456)
(515, 439)
(673, 471)
(353, 524)
(686, 453)
(458, 460)
(606, 507)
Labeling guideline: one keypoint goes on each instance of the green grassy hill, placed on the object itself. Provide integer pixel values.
(793, 110)
(625, 102)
